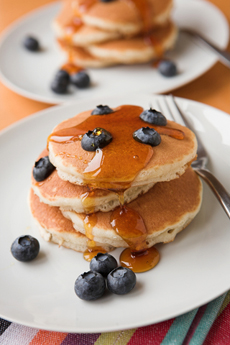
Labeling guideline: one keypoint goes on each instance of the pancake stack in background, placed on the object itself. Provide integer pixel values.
(109, 188)
(97, 33)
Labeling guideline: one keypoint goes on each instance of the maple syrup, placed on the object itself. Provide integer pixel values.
(115, 167)
(141, 261)
(89, 254)
(71, 68)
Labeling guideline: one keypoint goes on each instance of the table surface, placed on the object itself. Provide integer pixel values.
(212, 88)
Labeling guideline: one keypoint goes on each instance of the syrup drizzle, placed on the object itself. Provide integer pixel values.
(71, 68)
(145, 11)
(102, 162)
(124, 220)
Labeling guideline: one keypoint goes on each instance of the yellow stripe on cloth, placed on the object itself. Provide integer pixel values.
(115, 338)
(225, 303)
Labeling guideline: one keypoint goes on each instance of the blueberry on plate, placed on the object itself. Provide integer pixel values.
(93, 140)
(42, 169)
(146, 135)
(103, 263)
(167, 68)
(25, 248)
(154, 117)
(31, 43)
(62, 75)
(121, 280)
(90, 286)
(61, 82)
(80, 79)
(102, 110)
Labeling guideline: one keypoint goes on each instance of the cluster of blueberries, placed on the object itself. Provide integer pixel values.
(99, 137)
(91, 285)
(62, 79)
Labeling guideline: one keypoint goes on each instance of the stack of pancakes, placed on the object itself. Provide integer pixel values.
(78, 206)
(95, 33)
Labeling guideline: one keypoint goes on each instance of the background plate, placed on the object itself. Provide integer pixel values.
(192, 269)
(30, 74)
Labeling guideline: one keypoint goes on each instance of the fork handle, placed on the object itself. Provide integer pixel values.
(224, 56)
(218, 189)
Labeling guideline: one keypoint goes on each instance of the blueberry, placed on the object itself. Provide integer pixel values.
(63, 76)
(93, 140)
(154, 117)
(80, 79)
(61, 82)
(103, 263)
(106, 0)
(146, 135)
(121, 280)
(25, 248)
(102, 110)
(90, 286)
(42, 169)
(31, 43)
(59, 86)
(167, 68)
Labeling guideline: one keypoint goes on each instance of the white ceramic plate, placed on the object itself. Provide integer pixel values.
(192, 269)
(30, 74)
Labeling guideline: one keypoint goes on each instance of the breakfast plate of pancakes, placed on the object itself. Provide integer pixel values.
(191, 271)
(31, 74)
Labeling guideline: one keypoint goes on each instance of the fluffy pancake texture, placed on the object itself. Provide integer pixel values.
(99, 34)
(121, 16)
(54, 227)
(166, 209)
(56, 192)
(123, 51)
(169, 160)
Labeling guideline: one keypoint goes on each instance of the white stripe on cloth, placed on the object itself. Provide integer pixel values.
(17, 334)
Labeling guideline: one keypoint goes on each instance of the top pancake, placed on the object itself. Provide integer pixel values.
(124, 162)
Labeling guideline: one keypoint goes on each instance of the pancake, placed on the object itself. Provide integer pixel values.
(65, 28)
(124, 16)
(82, 58)
(138, 49)
(124, 162)
(54, 227)
(56, 192)
(123, 51)
(166, 209)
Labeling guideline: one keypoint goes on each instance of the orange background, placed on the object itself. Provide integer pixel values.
(212, 88)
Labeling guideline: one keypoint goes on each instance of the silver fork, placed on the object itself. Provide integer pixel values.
(202, 159)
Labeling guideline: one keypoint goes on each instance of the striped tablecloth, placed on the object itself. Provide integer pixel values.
(209, 324)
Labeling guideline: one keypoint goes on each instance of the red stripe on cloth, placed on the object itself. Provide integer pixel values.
(48, 338)
(220, 330)
(194, 324)
(151, 335)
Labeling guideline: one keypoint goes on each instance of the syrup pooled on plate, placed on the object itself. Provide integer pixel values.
(131, 228)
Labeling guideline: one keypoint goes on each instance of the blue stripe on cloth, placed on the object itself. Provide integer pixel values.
(3, 325)
(207, 320)
(179, 329)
